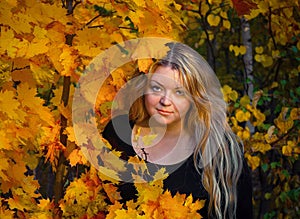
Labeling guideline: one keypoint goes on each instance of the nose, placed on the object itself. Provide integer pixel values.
(165, 100)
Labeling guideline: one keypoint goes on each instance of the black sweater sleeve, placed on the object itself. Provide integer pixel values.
(244, 193)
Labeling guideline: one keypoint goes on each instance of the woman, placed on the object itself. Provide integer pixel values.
(179, 119)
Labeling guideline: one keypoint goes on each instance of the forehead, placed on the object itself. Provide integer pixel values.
(166, 75)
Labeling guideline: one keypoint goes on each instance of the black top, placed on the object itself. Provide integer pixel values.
(183, 178)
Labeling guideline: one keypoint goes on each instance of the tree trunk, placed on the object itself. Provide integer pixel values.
(61, 166)
(248, 63)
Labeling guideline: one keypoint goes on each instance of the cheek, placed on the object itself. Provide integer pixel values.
(183, 106)
(151, 101)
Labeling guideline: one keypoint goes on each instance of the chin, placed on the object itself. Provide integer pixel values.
(165, 121)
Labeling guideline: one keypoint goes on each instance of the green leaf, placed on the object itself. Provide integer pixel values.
(236, 105)
(103, 12)
(283, 196)
(268, 195)
(294, 49)
(283, 83)
(298, 91)
(269, 215)
(275, 164)
(285, 173)
(265, 167)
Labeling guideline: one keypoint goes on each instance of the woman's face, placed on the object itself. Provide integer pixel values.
(165, 98)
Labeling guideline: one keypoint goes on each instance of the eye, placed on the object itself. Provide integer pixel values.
(180, 92)
(156, 88)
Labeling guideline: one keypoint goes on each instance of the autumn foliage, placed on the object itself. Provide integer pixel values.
(46, 46)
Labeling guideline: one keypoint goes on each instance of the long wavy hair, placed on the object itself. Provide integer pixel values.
(218, 153)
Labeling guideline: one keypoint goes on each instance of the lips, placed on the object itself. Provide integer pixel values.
(164, 112)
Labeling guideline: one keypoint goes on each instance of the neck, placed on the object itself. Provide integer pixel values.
(166, 144)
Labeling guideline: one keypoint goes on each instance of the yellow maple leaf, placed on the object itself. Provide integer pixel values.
(194, 207)
(4, 166)
(30, 186)
(128, 213)
(8, 104)
(41, 74)
(112, 210)
(118, 78)
(111, 192)
(28, 99)
(8, 43)
(6, 213)
(160, 175)
(173, 207)
(148, 191)
(144, 64)
(68, 59)
(148, 139)
(36, 47)
(5, 142)
(77, 157)
(108, 174)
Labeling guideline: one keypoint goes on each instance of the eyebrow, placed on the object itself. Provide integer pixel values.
(178, 87)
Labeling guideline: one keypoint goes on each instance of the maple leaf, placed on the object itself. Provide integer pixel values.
(68, 59)
(4, 166)
(144, 64)
(112, 161)
(139, 167)
(39, 43)
(159, 176)
(148, 192)
(109, 174)
(112, 210)
(41, 73)
(8, 104)
(111, 192)
(77, 157)
(6, 213)
(244, 7)
(4, 141)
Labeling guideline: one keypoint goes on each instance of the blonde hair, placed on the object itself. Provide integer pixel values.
(218, 153)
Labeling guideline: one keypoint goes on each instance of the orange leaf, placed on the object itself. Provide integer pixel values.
(243, 7)
(76, 157)
(8, 104)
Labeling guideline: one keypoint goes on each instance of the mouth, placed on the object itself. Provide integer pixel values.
(164, 112)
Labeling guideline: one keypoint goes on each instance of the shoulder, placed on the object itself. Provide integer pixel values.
(118, 133)
(118, 125)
